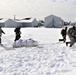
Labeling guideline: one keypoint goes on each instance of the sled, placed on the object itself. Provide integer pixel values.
(25, 43)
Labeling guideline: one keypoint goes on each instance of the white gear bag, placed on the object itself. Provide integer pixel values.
(25, 43)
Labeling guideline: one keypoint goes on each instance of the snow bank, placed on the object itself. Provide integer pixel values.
(48, 58)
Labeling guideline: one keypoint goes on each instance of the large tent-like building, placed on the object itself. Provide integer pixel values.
(52, 21)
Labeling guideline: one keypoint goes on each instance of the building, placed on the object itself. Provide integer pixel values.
(2, 22)
(28, 22)
(52, 21)
(8, 23)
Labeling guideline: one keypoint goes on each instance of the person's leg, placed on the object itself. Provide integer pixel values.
(0, 40)
(17, 37)
(67, 43)
(64, 38)
(60, 39)
(71, 44)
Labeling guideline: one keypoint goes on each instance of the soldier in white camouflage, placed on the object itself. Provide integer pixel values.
(72, 36)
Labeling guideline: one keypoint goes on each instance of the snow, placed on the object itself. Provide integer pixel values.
(48, 58)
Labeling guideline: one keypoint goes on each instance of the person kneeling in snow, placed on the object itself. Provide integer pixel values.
(72, 36)
(1, 31)
(18, 33)
(63, 33)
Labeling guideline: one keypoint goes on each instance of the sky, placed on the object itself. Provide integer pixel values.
(66, 9)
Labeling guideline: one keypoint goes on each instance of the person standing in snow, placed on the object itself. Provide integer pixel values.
(18, 33)
(63, 33)
(1, 31)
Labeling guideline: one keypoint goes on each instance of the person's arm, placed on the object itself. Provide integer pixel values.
(3, 32)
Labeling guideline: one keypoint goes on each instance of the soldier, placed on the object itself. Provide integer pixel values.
(63, 33)
(72, 36)
(1, 31)
(18, 33)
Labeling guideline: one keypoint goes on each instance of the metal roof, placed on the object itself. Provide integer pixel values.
(25, 20)
(3, 20)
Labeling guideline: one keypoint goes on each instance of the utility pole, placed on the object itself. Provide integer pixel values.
(14, 17)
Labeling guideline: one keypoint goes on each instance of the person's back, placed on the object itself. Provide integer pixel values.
(17, 30)
(72, 36)
(18, 33)
(63, 33)
(72, 33)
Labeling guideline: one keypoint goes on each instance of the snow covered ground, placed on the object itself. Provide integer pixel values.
(49, 58)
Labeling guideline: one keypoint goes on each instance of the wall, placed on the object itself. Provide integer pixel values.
(53, 21)
(10, 23)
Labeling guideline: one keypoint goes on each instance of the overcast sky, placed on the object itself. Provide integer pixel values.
(66, 9)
